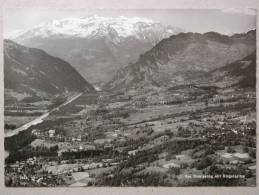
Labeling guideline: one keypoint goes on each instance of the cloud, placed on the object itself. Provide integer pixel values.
(246, 11)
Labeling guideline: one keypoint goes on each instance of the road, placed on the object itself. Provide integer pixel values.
(39, 119)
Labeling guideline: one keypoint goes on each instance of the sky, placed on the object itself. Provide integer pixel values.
(227, 21)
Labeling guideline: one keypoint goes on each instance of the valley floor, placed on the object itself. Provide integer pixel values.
(187, 135)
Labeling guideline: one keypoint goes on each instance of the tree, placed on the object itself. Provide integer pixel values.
(230, 150)
(174, 170)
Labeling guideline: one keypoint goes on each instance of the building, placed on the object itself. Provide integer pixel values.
(132, 152)
(36, 132)
(170, 165)
(51, 133)
(161, 139)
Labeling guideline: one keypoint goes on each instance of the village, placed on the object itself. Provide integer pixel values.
(119, 139)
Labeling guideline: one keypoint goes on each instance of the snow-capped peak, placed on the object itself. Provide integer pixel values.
(91, 26)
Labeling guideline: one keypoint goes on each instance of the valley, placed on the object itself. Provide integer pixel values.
(118, 139)
(128, 101)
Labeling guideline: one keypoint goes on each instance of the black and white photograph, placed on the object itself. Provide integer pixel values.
(129, 97)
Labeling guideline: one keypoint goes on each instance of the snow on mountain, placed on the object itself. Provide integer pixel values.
(96, 46)
(95, 26)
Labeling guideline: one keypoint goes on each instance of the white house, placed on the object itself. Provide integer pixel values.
(51, 132)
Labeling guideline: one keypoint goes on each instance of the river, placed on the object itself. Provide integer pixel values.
(40, 119)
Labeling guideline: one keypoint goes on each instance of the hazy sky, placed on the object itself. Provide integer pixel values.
(224, 21)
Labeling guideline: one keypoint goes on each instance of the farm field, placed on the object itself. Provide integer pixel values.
(95, 140)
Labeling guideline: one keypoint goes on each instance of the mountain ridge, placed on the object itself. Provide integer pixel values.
(34, 72)
(243, 72)
(96, 46)
(173, 57)
(89, 26)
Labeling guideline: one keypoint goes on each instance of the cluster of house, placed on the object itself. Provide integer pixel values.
(51, 133)
(217, 98)
(64, 168)
(77, 148)
(22, 172)
(224, 128)
(234, 158)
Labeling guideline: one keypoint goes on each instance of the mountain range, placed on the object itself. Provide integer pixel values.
(96, 46)
(124, 53)
(183, 57)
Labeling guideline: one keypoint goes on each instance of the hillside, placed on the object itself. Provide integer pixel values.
(241, 73)
(182, 57)
(32, 72)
